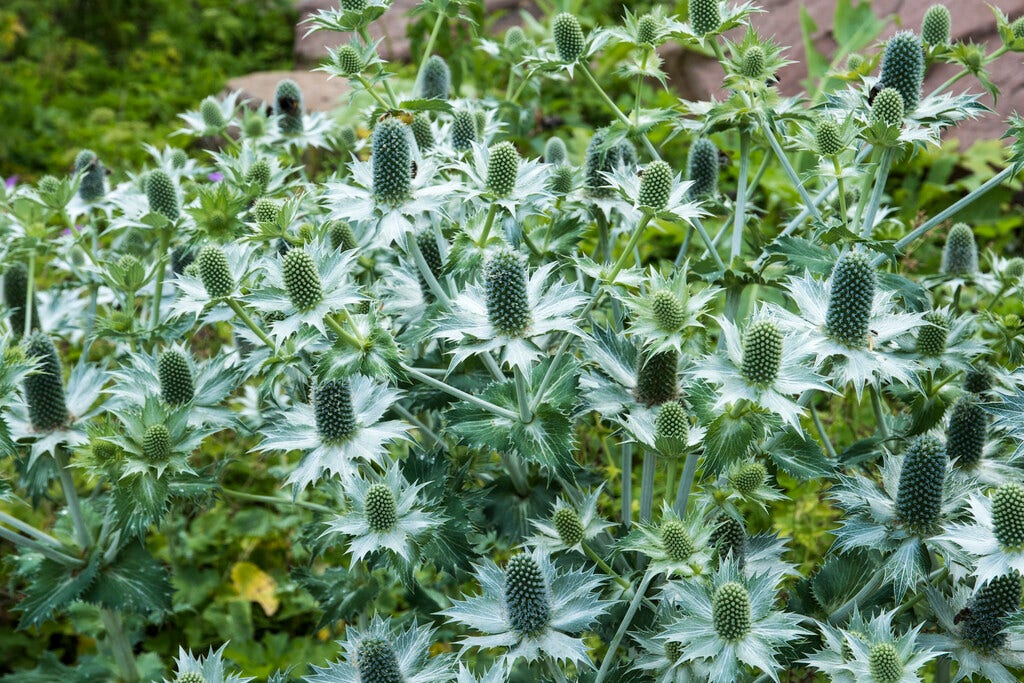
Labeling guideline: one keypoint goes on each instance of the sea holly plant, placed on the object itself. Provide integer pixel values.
(450, 387)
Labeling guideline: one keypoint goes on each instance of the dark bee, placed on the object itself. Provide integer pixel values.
(415, 168)
(288, 105)
(403, 116)
(639, 173)
(723, 159)
(962, 615)
(875, 89)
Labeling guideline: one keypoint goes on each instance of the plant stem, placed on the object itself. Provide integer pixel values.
(686, 484)
(492, 365)
(419, 424)
(41, 548)
(605, 567)
(647, 485)
(369, 88)
(161, 269)
(826, 441)
(711, 247)
(459, 394)
(248, 321)
(741, 197)
(880, 417)
(627, 484)
(628, 251)
(670, 479)
(522, 397)
(21, 526)
(639, 89)
(29, 291)
(840, 187)
(1007, 173)
(627, 619)
(71, 494)
(769, 130)
(491, 212)
(429, 48)
(119, 643)
(413, 247)
(585, 70)
(274, 500)
(365, 35)
(342, 332)
(867, 589)
(556, 671)
(515, 472)
(881, 175)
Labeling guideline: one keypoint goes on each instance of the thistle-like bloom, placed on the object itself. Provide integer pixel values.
(93, 185)
(305, 285)
(384, 513)
(162, 193)
(436, 83)
(656, 192)
(935, 26)
(887, 108)
(208, 669)
(667, 316)
(519, 186)
(903, 67)
(868, 650)
(996, 538)
(531, 609)
(213, 117)
(673, 546)
(966, 432)
(767, 368)
(217, 272)
(960, 254)
(702, 168)
(850, 321)
(157, 437)
(705, 16)
(568, 527)
(728, 619)
(509, 311)
(975, 640)
(383, 652)
(568, 36)
(341, 424)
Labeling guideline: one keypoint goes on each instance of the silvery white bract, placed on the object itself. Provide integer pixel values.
(674, 546)
(978, 539)
(653, 337)
(212, 667)
(547, 537)
(530, 194)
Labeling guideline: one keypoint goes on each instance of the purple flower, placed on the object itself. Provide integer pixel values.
(215, 177)
(12, 181)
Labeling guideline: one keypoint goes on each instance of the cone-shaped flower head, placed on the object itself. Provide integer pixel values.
(669, 311)
(978, 380)
(288, 105)
(91, 187)
(422, 132)
(884, 663)
(935, 26)
(214, 271)
(903, 67)
(301, 279)
(671, 429)
(965, 435)
(266, 210)
(1008, 516)
(332, 408)
(655, 186)
(647, 28)
(381, 509)
(48, 185)
(179, 158)
(432, 255)
(515, 39)
(562, 180)
(730, 538)
(502, 169)
(162, 194)
(754, 62)
(656, 380)
(15, 294)
(982, 624)
(676, 540)
(705, 16)
(1014, 269)
(932, 337)
(508, 306)
(181, 258)
(392, 161)
(463, 130)
(960, 255)
(437, 79)
(44, 389)
(850, 299)
(749, 478)
(597, 162)
(827, 137)
(156, 443)
(526, 595)
(555, 152)
(348, 60)
(212, 115)
(259, 174)
(1017, 28)
(919, 496)
(353, 5)
(888, 107)
(730, 611)
(702, 168)
(190, 677)
(341, 236)
(176, 385)
(568, 35)
(377, 662)
(762, 352)
(568, 525)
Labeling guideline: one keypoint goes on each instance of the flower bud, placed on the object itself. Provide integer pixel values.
(647, 28)
(730, 538)
(668, 310)
(730, 611)
(502, 169)
(515, 40)
(935, 27)
(749, 478)
(655, 186)
(212, 115)
(190, 677)
(702, 168)
(888, 107)
(555, 152)
(508, 306)
(657, 380)
(676, 541)
(705, 16)
(671, 429)
(463, 130)
(437, 79)
(965, 434)
(377, 662)
(828, 138)
(1008, 516)
(983, 622)
(526, 596)
(214, 271)
(422, 133)
(258, 175)
(162, 193)
(562, 180)
(922, 476)
(978, 380)
(933, 336)
(762, 352)
(266, 210)
(392, 162)
(903, 67)
(44, 389)
(884, 663)
(568, 35)
(301, 279)
(341, 236)
(851, 299)
(156, 443)
(332, 408)
(348, 61)
(93, 176)
(568, 525)
(960, 255)
(175, 376)
(380, 508)
(288, 105)
(353, 5)
(754, 62)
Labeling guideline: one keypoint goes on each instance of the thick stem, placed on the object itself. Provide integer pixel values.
(627, 619)
(123, 653)
(670, 480)
(41, 548)
(773, 140)
(274, 500)
(369, 88)
(343, 333)
(840, 188)
(516, 473)
(248, 321)
(413, 247)
(881, 175)
(866, 590)
(585, 70)
(686, 484)
(491, 213)
(21, 526)
(161, 269)
(429, 48)
(825, 440)
(459, 394)
(741, 197)
(647, 485)
(71, 494)
(522, 397)
(419, 424)
(627, 484)
(879, 410)
(365, 35)
(604, 566)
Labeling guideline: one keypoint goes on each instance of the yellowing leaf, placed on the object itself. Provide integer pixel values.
(254, 584)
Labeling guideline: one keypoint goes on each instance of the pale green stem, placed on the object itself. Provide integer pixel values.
(952, 210)
(429, 49)
(369, 89)
(866, 590)
(627, 619)
(29, 290)
(492, 365)
(956, 77)
(556, 671)
(647, 485)
(248, 321)
(413, 248)
(670, 480)
(515, 472)
(21, 526)
(943, 670)
(491, 213)
(880, 176)
(161, 268)
(686, 484)
(840, 188)
(585, 70)
(365, 35)
(459, 394)
(709, 243)
(879, 410)
(71, 494)
(741, 197)
(274, 500)
(639, 88)
(119, 643)
(773, 140)
(41, 548)
(627, 484)
(522, 397)
(343, 333)
(419, 424)
(604, 566)
(827, 442)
